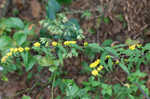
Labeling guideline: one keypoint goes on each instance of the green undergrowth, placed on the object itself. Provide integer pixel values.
(61, 39)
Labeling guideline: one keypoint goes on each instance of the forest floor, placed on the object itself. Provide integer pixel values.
(129, 19)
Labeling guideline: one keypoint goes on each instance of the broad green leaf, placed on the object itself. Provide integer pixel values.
(53, 7)
(31, 62)
(14, 23)
(5, 42)
(20, 37)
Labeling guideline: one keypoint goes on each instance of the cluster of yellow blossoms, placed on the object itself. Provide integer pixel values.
(96, 68)
(13, 51)
(70, 42)
(94, 65)
(132, 47)
(54, 43)
(36, 44)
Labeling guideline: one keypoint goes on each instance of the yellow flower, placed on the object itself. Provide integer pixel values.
(127, 85)
(20, 49)
(9, 54)
(117, 61)
(36, 44)
(11, 49)
(66, 43)
(27, 48)
(73, 42)
(94, 64)
(100, 68)
(132, 47)
(15, 50)
(54, 43)
(108, 56)
(94, 72)
(85, 43)
(139, 45)
(69, 42)
(3, 60)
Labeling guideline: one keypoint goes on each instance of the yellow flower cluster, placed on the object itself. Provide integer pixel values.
(100, 68)
(70, 42)
(132, 47)
(94, 72)
(36, 44)
(95, 63)
(54, 43)
(13, 51)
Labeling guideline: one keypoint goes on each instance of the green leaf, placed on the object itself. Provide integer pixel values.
(20, 37)
(106, 89)
(111, 51)
(106, 20)
(107, 42)
(147, 47)
(95, 47)
(30, 63)
(110, 64)
(124, 67)
(72, 90)
(5, 42)
(95, 83)
(53, 7)
(26, 97)
(44, 61)
(14, 23)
